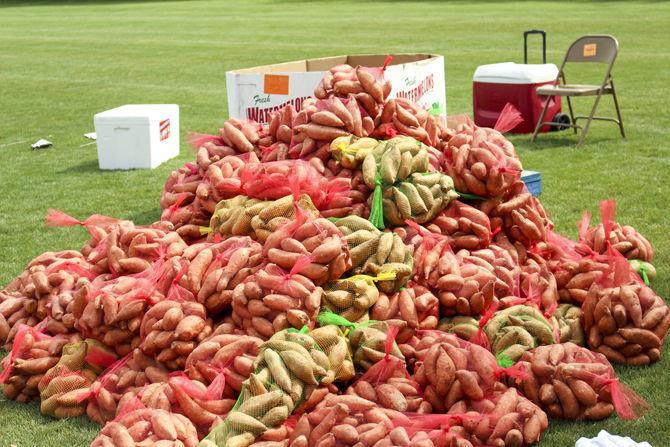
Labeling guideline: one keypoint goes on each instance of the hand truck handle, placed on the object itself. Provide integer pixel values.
(525, 44)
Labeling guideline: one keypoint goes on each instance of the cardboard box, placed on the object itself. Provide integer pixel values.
(137, 136)
(254, 93)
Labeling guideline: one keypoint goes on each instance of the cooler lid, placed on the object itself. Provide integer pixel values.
(156, 111)
(513, 73)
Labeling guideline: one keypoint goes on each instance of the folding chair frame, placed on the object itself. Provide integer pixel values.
(607, 88)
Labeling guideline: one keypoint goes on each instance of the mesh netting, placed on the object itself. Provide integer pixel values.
(571, 382)
(288, 368)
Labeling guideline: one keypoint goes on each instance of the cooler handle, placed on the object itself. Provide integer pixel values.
(525, 44)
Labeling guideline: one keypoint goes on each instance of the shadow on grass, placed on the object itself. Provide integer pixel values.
(85, 167)
(146, 217)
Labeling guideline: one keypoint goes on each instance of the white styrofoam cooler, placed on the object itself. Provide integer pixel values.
(137, 136)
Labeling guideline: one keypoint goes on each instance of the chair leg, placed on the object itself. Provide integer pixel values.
(618, 111)
(572, 115)
(590, 118)
(540, 120)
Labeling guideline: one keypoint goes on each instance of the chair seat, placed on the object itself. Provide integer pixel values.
(571, 90)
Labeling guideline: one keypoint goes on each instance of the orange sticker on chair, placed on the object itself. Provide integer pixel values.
(590, 49)
(275, 84)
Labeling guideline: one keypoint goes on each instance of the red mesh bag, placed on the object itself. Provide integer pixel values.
(388, 383)
(172, 328)
(128, 249)
(273, 299)
(624, 319)
(135, 370)
(497, 261)
(508, 419)
(519, 215)
(414, 304)
(466, 226)
(439, 430)
(274, 180)
(452, 369)
(464, 285)
(366, 84)
(232, 355)
(482, 161)
(623, 238)
(315, 248)
(534, 286)
(147, 426)
(33, 354)
(179, 194)
(571, 382)
(111, 311)
(401, 116)
(214, 269)
(43, 289)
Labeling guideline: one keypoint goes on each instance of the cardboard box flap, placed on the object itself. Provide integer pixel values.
(288, 67)
(377, 60)
(325, 63)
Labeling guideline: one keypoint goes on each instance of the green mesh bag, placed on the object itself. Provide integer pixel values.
(376, 253)
(288, 368)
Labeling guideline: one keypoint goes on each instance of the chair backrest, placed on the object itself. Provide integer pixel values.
(601, 48)
(596, 48)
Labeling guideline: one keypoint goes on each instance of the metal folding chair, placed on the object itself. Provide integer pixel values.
(594, 48)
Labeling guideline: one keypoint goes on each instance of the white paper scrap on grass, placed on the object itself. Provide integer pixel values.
(41, 144)
(605, 439)
(91, 135)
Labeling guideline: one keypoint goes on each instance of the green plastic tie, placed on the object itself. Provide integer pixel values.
(436, 109)
(465, 195)
(504, 361)
(377, 209)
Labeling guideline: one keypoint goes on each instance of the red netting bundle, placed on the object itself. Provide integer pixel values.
(314, 248)
(112, 311)
(215, 269)
(571, 382)
(450, 369)
(389, 385)
(519, 215)
(172, 328)
(43, 289)
(466, 226)
(274, 299)
(135, 370)
(623, 238)
(414, 304)
(232, 355)
(509, 419)
(147, 426)
(366, 84)
(482, 161)
(33, 354)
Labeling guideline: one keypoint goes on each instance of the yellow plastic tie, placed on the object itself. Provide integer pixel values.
(388, 275)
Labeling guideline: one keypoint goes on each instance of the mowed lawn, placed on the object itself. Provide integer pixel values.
(61, 62)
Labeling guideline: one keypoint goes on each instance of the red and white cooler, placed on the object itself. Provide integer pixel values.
(495, 85)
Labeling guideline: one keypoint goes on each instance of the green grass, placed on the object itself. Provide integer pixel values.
(61, 63)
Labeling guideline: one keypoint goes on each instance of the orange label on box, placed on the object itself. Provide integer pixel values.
(590, 49)
(275, 84)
